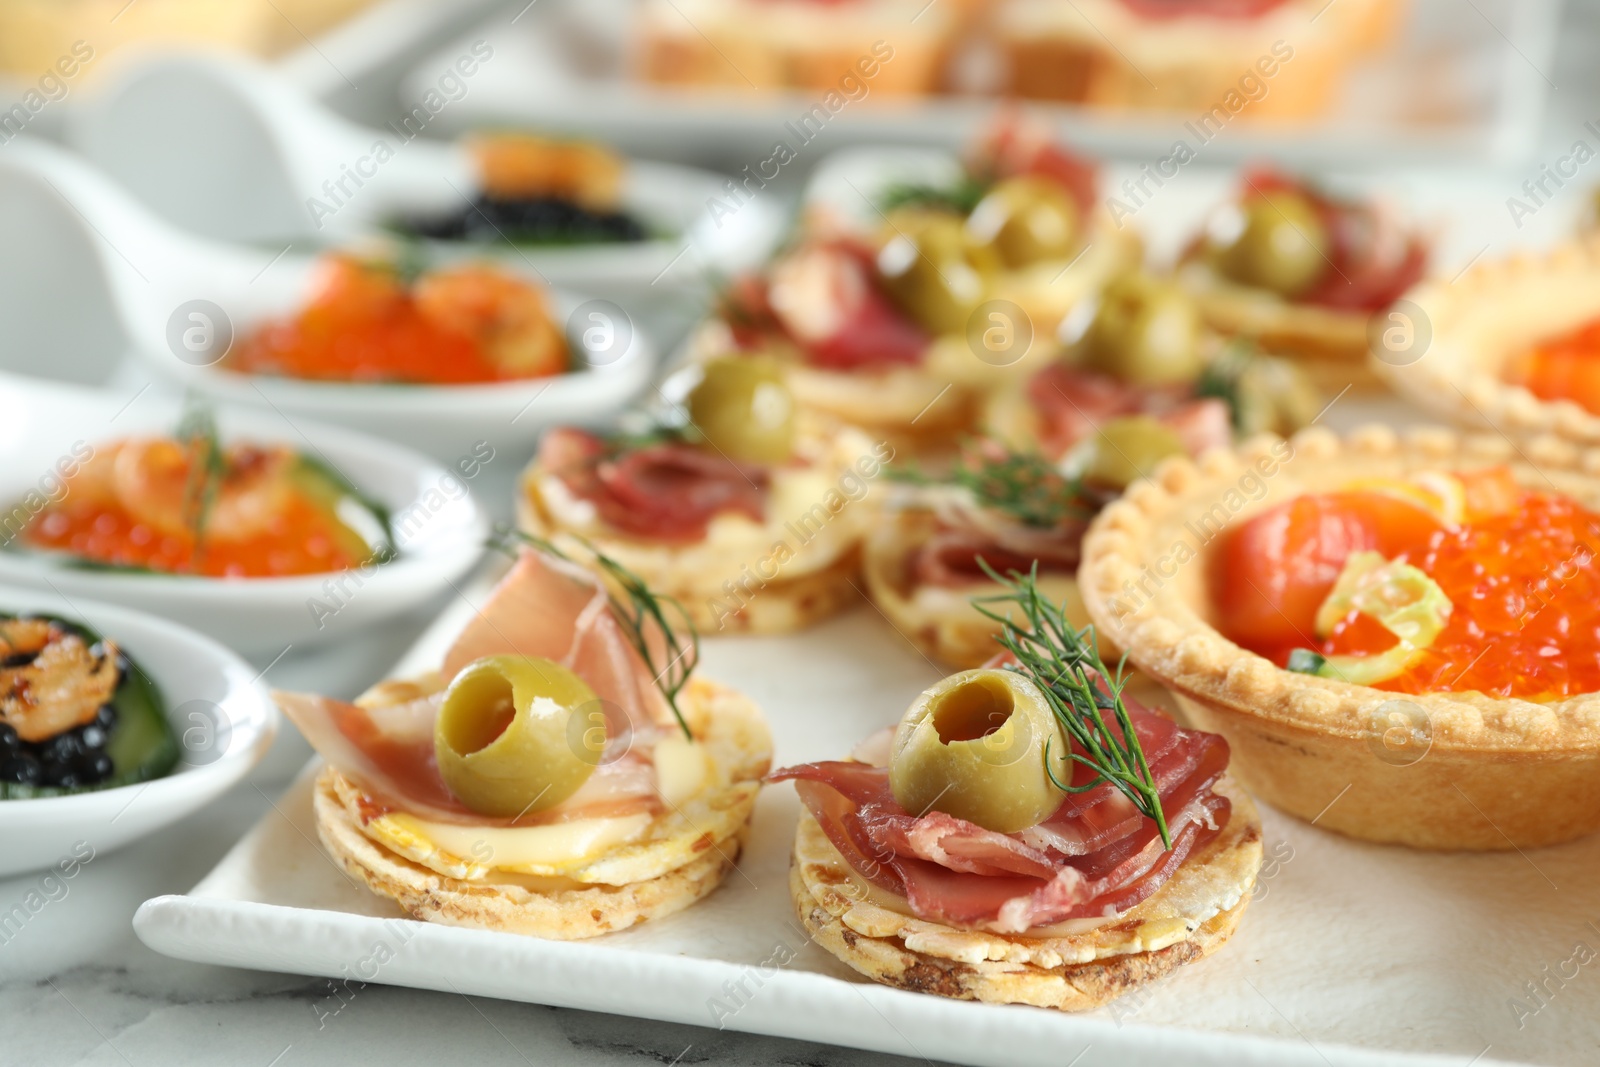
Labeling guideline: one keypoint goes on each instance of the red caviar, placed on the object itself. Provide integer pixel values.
(131, 505)
(459, 326)
(1563, 368)
(1523, 582)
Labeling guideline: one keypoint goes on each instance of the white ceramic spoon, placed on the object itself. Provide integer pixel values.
(178, 297)
(439, 528)
(215, 704)
(226, 148)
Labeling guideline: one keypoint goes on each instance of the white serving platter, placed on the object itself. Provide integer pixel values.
(1467, 82)
(1351, 954)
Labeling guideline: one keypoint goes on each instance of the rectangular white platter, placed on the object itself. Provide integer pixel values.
(1466, 82)
(1351, 954)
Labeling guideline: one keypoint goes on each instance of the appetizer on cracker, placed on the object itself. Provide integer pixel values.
(746, 512)
(1028, 834)
(563, 774)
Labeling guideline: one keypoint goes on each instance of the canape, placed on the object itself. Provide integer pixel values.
(76, 712)
(1304, 272)
(747, 518)
(190, 505)
(885, 46)
(903, 331)
(1511, 343)
(1396, 636)
(1027, 834)
(563, 774)
(1218, 60)
(373, 320)
(1139, 358)
(536, 191)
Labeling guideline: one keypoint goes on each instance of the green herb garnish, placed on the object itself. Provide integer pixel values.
(197, 432)
(642, 610)
(1065, 664)
(1024, 485)
(1305, 661)
(960, 198)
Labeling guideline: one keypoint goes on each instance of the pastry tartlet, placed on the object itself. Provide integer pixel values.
(1419, 761)
(1473, 354)
(949, 858)
(1270, 61)
(1303, 273)
(748, 515)
(890, 46)
(548, 779)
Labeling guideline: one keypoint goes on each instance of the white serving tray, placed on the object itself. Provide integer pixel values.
(1467, 82)
(1352, 954)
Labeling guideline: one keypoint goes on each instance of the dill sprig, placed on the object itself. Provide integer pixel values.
(641, 610)
(1024, 485)
(1065, 664)
(197, 432)
(960, 198)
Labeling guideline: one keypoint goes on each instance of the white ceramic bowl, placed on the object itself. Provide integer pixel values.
(159, 279)
(440, 530)
(221, 714)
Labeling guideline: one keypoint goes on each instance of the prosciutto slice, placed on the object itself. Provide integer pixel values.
(1095, 856)
(824, 296)
(1073, 403)
(668, 491)
(544, 607)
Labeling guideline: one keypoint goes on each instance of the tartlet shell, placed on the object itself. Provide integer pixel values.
(1484, 318)
(1493, 773)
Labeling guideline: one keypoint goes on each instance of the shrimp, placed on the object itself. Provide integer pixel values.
(50, 679)
(521, 166)
(153, 483)
(505, 314)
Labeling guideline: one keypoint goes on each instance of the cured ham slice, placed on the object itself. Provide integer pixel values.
(824, 297)
(544, 607)
(669, 491)
(1095, 856)
(1072, 404)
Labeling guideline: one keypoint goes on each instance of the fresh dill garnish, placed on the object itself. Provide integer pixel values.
(1024, 485)
(961, 197)
(197, 433)
(1065, 664)
(641, 610)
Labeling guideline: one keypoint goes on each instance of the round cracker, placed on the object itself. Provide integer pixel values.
(565, 914)
(1187, 919)
(682, 856)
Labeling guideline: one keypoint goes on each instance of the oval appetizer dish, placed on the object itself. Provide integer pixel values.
(261, 532)
(564, 773)
(113, 724)
(1393, 633)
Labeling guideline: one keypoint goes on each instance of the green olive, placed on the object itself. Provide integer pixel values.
(1282, 244)
(973, 746)
(506, 738)
(1127, 449)
(1274, 395)
(1027, 220)
(1146, 331)
(933, 270)
(744, 409)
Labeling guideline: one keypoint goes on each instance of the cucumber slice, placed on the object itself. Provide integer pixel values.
(142, 744)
